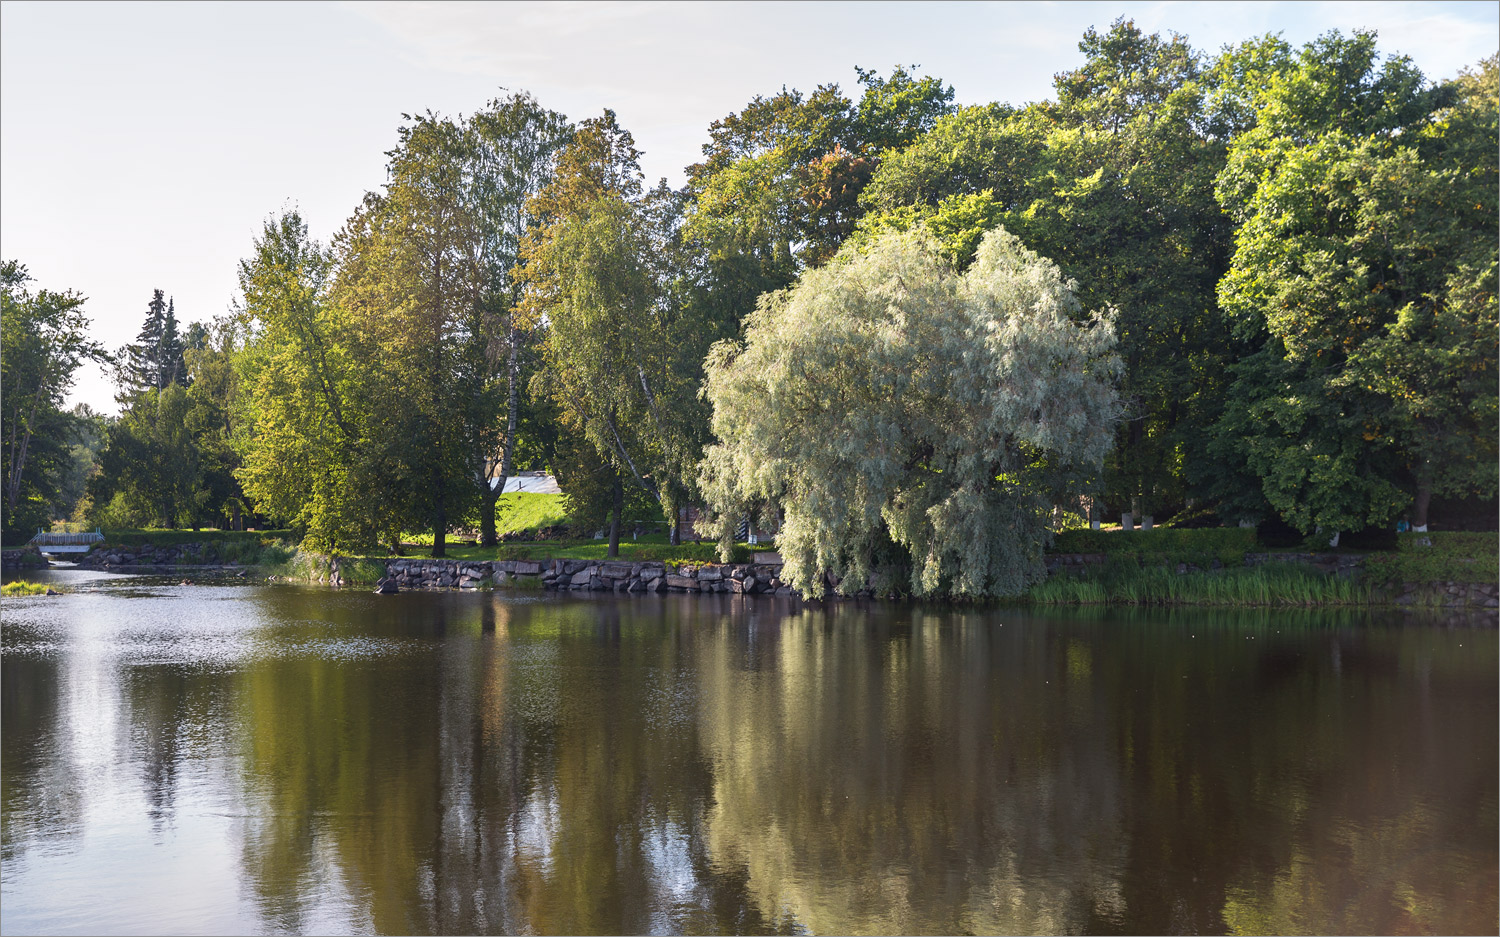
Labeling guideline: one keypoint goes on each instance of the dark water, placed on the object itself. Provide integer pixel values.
(240, 758)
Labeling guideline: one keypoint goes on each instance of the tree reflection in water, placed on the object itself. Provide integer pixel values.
(484, 764)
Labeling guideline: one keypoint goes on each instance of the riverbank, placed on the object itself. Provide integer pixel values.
(170, 548)
(1298, 582)
(1216, 567)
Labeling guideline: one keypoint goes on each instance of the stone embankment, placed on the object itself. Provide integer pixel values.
(1448, 594)
(21, 559)
(586, 576)
(148, 554)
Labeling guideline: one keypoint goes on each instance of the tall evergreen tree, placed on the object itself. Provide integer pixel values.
(172, 369)
(155, 360)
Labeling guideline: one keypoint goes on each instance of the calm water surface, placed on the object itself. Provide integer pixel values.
(236, 758)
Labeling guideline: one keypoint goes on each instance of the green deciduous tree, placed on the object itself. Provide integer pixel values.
(304, 400)
(888, 399)
(413, 282)
(45, 337)
(779, 186)
(1364, 282)
(150, 462)
(1114, 180)
(515, 142)
(622, 351)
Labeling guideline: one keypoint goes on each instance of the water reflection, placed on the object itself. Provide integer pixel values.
(281, 759)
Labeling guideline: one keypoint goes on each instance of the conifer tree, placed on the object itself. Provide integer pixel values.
(172, 369)
(156, 358)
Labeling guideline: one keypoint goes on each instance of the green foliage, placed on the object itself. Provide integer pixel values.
(138, 536)
(168, 459)
(779, 188)
(1363, 282)
(151, 459)
(1449, 556)
(91, 432)
(301, 423)
(23, 587)
(1228, 545)
(623, 346)
(1113, 182)
(887, 400)
(1273, 584)
(381, 379)
(45, 338)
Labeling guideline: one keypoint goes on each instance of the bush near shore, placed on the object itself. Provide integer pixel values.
(1140, 570)
(22, 587)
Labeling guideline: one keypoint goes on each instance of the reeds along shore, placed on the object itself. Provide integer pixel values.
(1271, 584)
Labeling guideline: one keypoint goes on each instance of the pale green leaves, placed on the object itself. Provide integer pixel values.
(888, 398)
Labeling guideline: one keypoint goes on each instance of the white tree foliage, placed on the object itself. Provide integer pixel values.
(886, 397)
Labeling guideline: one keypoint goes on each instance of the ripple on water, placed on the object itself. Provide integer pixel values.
(217, 627)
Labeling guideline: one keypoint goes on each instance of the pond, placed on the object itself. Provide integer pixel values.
(235, 757)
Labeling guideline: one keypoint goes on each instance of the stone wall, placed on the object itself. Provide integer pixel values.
(23, 558)
(148, 554)
(1448, 594)
(586, 576)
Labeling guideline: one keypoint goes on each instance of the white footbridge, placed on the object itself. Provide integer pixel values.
(48, 542)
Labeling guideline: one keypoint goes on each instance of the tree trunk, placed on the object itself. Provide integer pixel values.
(1419, 509)
(440, 534)
(235, 521)
(489, 498)
(618, 497)
(487, 536)
(675, 536)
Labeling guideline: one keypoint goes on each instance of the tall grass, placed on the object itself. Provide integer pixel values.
(22, 587)
(1271, 584)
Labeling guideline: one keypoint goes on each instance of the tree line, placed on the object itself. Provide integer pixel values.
(1254, 284)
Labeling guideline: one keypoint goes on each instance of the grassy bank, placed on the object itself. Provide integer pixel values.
(1163, 546)
(1448, 556)
(1272, 584)
(1140, 569)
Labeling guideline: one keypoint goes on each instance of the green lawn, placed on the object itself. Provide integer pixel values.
(522, 510)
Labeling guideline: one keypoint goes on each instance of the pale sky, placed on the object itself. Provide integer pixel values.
(142, 145)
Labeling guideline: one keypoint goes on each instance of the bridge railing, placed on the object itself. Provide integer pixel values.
(46, 538)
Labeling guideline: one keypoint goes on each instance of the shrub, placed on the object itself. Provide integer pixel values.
(1447, 556)
(22, 587)
(1163, 546)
